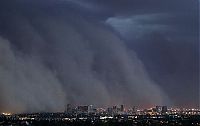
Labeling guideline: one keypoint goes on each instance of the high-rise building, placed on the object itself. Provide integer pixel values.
(164, 109)
(114, 109)
(122, 108)
(68, 109)
(159, 109)
(110, 111)
(83, 109)
(90, 109)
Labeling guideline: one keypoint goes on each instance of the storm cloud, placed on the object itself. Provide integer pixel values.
(50, 60)
(61, 51)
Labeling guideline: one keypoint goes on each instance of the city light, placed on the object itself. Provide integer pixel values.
(158, 115)
(6, 114)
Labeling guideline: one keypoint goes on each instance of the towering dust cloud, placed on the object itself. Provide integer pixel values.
(53, 55)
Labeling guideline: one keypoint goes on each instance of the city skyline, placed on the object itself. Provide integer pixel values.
(116, 115)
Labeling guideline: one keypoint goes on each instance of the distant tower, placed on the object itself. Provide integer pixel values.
(69, 108)
(122, 108)
(114, 109)
(158, 109)
(90, 109)
(164, 109)
(110, 111)
(134, 110)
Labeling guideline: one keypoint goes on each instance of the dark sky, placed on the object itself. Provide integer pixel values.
(78, 51)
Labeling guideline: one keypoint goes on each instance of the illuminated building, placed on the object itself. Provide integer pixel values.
(159, 109)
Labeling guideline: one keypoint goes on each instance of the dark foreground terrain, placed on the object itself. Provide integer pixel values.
(140, 120)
